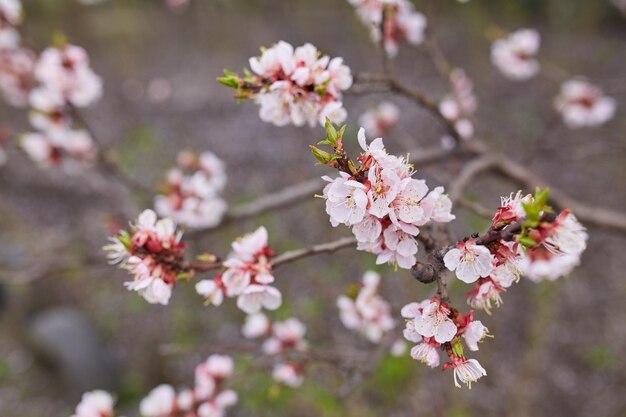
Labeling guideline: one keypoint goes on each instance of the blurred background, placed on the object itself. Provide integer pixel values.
(67, 324)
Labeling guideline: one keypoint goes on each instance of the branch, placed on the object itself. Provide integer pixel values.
(329, 247)
(284, 258)
(107, 164)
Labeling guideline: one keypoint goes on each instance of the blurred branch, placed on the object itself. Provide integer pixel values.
(107, 164)
(330, 247)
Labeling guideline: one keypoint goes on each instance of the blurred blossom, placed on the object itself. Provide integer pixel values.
(192, 191)
(368, 313)
(402, 22)
(582, 104)
(378, 120)
(515, 55)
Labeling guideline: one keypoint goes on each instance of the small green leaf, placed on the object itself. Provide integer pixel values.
(457, 347)
(528, 242)
(322, 156)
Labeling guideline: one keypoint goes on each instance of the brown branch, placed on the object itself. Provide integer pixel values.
(329, 247)
(467, 174)
(106, 163)
(283, 258)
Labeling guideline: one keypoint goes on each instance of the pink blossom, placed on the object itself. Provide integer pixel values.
(299, 86)
(67, 71)
(288, 374)
(437, 206)
(514, 55)
(474, 333)
(288, 334)
(470, 261)
(211, 290)
(159, 403)
(16, 74)
(369, 314)
(257, 296)
(403, 23)
(346, 201)
(95, 403)
(192, 196)
(380, 119)
(434, 322)
(256, 325)
(582, 104)
(467, 371)
(426, 353)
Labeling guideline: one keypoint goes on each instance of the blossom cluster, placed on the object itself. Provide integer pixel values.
(583, 104)
(459, 105)
(294, 86)
(378, 120)
(433, 326)
(247, 274)
(153, 253)
(282, 339)
(16, 63)
(191, 194)
(515, 54)
(543, 249)
(208, 397)
(402, 22)
(367, 313)
(64, 81)
(381, 201)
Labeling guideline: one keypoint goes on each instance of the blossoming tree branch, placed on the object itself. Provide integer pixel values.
(379, 198)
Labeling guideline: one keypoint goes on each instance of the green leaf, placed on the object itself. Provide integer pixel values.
(331, 132)
(322, 156)
(457, 347)
(528, 242)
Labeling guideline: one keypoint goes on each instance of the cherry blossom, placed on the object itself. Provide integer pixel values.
(582, 104)
(161, 402)
(66, 70)
(460, 104)
(368, 313)
(346, 200)
(384, 204)
(427, 353)
(434, 322)
(68, 148)
(207, 398)
(286, 335)
(402, 22)
(152, 253)
(515, 55)
(474, 333)
(466, 371)
(470, 261)
(288, 374)
(378, 120)
(192, 191)
(256, 325)
(95, 404)
(16, 75)
(295, 86)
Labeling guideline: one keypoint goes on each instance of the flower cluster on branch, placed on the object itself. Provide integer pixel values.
(294, 86)
(379, 199)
